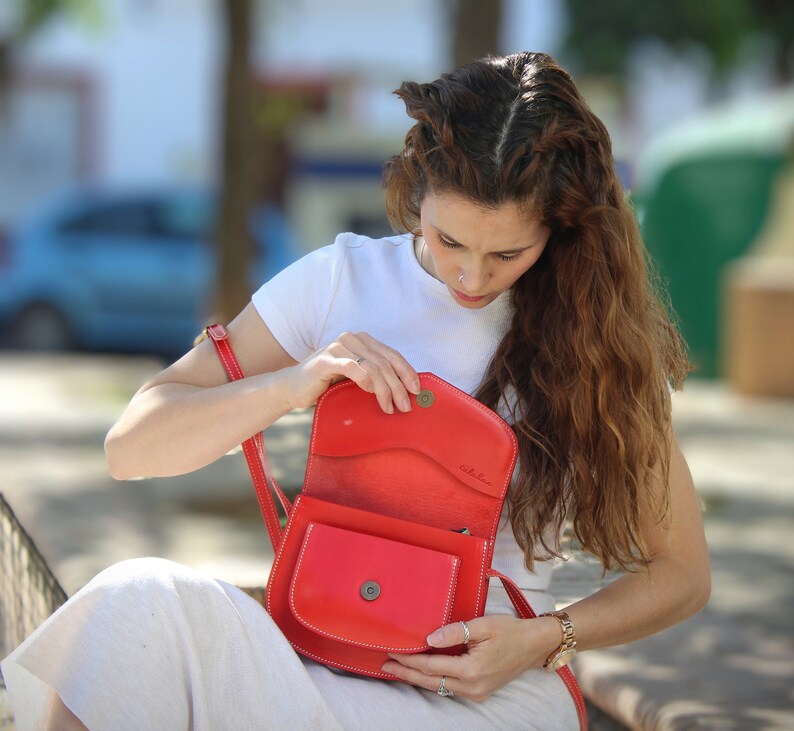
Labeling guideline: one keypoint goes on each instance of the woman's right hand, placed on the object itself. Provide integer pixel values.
(374, 366)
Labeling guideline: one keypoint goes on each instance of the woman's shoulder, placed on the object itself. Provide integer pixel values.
(369, 245)
(353, 247)
(352, 252)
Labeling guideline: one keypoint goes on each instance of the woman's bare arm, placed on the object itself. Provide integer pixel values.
(189, 415)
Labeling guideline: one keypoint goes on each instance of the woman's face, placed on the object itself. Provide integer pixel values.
(490, 247)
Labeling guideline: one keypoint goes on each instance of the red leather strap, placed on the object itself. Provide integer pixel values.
(525, 611)
(254, 447)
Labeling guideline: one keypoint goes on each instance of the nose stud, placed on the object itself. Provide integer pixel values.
(460, 279)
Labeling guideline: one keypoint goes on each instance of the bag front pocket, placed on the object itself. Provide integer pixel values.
(369, 591)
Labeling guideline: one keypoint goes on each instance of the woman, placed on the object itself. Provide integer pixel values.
(524, 282)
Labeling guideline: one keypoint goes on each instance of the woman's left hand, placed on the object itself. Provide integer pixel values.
(500, 649)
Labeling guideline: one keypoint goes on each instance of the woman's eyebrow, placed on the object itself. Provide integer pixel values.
(504, 251)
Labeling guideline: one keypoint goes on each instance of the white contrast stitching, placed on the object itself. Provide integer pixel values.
(573, 688)
(341, 665)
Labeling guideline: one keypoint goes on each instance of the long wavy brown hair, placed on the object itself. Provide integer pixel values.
(587, 363)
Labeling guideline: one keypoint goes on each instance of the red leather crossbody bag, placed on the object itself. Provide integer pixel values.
(393, 533)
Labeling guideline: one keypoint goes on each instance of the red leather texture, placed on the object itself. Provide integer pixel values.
(410, 589)
(448, 465)
(473, 554)
(417, 480)
(456, 432)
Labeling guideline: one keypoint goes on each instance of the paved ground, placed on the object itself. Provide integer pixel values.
(729, 668)
(732, 666)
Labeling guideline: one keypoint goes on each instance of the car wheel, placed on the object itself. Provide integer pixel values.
(41, 327)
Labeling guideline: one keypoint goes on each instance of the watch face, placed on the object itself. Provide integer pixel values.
(562, 659)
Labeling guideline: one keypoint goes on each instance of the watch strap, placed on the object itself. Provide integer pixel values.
(568, 630)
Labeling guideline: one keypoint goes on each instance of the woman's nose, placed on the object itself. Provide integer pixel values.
(473, 279)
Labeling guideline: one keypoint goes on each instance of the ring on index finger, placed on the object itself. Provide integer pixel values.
(359, 360)
(465, 632)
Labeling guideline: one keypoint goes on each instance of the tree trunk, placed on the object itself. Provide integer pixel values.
(233, 238)
(476, 30)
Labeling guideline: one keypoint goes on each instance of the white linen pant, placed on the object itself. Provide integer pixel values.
(152, 645)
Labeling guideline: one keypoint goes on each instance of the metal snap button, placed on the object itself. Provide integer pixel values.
(370, 590)
(425, 398)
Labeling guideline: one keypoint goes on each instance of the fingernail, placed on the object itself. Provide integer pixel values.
(390, 409)
(415, 388)
(405, 405)
(434, 638)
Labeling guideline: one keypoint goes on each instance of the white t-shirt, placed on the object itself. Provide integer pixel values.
(377, 286)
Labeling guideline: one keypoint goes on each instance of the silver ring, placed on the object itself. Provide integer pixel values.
(443, 691)
(465, 633)
(460, 278)
(359, 360)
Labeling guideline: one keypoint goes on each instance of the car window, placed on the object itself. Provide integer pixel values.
(186, 218)
(114, 219)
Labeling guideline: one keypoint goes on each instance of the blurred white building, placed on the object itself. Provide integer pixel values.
(134, 98)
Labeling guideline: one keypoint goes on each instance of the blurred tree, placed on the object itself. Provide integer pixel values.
(476, 33)
(233, 237)
(256, 119)
(601, 34)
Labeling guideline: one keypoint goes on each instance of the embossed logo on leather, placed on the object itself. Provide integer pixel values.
(473, 473)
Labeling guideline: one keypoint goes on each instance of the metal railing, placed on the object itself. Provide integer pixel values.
(29, 592)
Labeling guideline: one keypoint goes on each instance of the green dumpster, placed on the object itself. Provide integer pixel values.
(703, 191)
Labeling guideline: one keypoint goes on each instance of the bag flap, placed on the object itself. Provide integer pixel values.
(370, 591)
(463, 437)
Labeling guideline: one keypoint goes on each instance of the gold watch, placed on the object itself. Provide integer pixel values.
(567, 649)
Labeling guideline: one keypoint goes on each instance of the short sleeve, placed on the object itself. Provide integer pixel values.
(295, 303)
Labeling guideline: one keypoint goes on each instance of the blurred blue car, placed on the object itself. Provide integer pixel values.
(122, 271)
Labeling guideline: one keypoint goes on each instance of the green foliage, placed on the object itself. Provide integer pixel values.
(602, 33)
(35, 13)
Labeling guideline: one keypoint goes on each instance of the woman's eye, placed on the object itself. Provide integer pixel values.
(448, 244)
(501, 257)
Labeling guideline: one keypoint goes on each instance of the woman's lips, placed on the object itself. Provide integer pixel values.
(467, 298)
